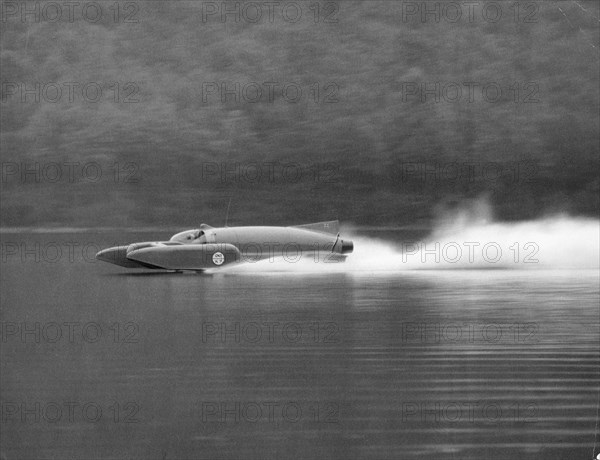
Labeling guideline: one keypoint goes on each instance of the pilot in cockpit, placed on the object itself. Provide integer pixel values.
(190, 236)
(199, 237)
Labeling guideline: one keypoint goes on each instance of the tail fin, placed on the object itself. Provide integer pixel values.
(331, 227)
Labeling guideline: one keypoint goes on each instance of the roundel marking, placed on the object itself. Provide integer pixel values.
(218, 258)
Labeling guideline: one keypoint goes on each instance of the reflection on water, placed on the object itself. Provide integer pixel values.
(428, 364)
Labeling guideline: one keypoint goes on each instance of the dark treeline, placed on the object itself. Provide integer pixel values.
(363, 111)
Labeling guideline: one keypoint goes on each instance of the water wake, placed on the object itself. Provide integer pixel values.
(466, 239)
(553, 243)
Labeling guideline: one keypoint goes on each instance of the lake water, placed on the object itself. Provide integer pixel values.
(104, 363)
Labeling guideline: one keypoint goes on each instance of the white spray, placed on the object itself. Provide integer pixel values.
(466, 239)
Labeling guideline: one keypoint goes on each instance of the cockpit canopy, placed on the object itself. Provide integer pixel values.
(190, 236)
(196, 236)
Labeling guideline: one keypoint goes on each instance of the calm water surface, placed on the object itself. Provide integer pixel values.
(102, 363)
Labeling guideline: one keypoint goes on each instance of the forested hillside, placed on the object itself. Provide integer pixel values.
(364, 111)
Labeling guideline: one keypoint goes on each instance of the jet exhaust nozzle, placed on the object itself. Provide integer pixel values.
(347, 246)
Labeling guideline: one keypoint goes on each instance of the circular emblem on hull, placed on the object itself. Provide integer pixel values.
(218, 258)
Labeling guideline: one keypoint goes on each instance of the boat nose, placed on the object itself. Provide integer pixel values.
(116, 255)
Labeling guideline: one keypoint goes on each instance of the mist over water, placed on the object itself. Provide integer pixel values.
(467, 238)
